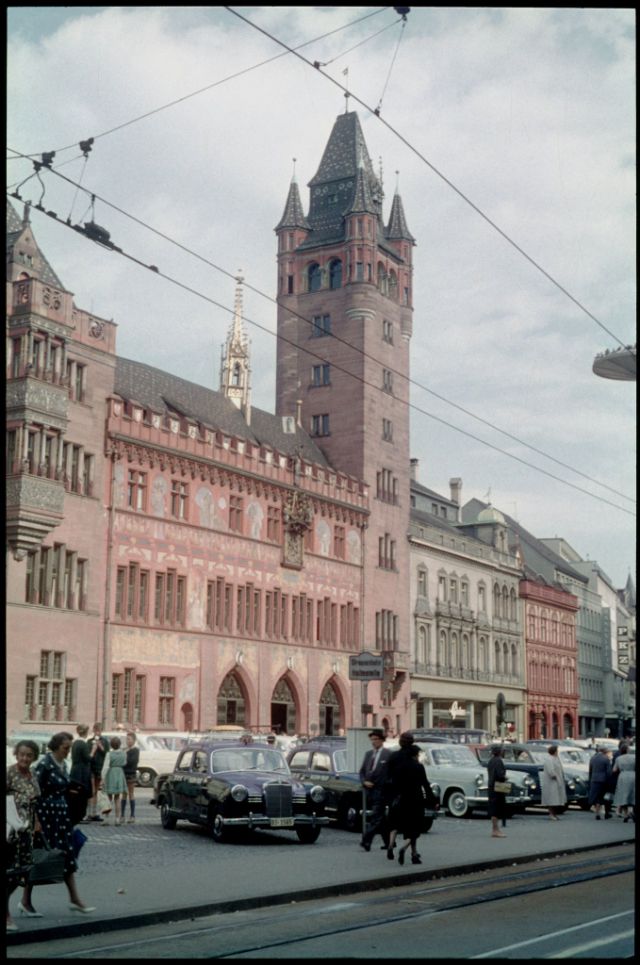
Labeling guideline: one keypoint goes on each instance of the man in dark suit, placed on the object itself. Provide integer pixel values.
(373, 775)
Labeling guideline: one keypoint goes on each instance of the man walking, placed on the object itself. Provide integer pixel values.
(373, 775)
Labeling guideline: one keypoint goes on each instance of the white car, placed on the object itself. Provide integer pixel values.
(456, 776)
(155, 758)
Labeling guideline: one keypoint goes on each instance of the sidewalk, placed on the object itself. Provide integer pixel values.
(186, 875)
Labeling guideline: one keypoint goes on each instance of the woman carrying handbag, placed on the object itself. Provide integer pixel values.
(53, 813)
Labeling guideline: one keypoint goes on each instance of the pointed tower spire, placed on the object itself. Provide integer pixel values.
(397, 229)
(234, 367)
(293, 216)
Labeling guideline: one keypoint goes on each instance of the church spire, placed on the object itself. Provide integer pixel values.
(234, 366)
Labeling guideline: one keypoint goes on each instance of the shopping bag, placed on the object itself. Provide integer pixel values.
(103, 804)
(14, 822)
(47, 866)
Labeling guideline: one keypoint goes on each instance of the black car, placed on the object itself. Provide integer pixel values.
(238, 785)
(324, 762)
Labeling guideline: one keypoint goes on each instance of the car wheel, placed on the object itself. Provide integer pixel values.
(456, 804)
(218, 830)
(308, 835)
(585, 806)
(167, 819)
(145, 778)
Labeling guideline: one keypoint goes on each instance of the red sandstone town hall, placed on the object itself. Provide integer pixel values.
(179, 557)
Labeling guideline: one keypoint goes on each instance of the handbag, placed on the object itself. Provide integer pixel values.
(502, 787)
(47, 866)
(78, 840)
(103, 804)
(14, 822)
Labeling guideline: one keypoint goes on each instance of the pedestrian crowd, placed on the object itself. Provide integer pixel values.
(77, 781)
(397, 790)
(47, 801)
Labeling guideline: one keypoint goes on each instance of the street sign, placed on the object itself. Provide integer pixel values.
(366, 666)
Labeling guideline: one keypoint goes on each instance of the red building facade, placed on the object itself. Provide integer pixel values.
(551, 658)
(179, 558)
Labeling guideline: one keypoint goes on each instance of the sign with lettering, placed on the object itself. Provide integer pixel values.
(366, 666)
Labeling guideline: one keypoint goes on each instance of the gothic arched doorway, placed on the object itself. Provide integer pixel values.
(283, 708)
(329, 711)
(231, 701)
(186, 712)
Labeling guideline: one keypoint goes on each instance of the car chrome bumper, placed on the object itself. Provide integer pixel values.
(262, 821)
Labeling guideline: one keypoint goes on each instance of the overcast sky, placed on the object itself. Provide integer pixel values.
(530, 113)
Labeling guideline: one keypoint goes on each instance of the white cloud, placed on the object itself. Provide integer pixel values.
(528, 112)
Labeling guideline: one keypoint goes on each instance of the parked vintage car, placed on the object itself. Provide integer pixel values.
(522, 771)
(155, 756)
(456, 777)
(451, 735)
(324, 761)
(40, 737)
(238, 785)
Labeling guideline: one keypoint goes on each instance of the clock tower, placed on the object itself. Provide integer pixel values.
(344, 325)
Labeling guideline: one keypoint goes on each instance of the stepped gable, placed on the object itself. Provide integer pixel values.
(162, 392)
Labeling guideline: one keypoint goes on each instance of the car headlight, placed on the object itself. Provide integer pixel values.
(436, 789)
(239, 792)
(480, 780)
(529, 781)
(317, 794)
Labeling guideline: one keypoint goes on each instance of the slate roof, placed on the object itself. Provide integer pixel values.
(293, 216)
(539, 560)
(346, 171)
(162, 392)
(397, 227)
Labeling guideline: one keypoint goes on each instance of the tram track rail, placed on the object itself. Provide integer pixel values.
(257, 932)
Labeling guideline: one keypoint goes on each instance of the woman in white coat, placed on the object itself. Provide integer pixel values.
(554, 792)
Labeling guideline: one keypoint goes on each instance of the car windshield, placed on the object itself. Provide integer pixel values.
(574, 757)
(340, 761)
(539, 756)
(456, 754)
(248, 759)
(156, 743)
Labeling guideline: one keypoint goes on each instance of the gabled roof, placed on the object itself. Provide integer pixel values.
(40, 268)
(162, 392)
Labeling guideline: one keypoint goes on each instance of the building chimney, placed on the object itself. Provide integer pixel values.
(299, 412)
(456, 490)
(413, 469)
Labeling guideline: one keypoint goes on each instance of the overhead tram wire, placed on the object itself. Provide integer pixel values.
(337, 338)
(439, 173)
(224, 80)
(339, 368)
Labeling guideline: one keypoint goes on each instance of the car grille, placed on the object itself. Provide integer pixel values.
(278, 800)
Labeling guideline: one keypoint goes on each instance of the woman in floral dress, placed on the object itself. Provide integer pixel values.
(53, 811)
(23, 785)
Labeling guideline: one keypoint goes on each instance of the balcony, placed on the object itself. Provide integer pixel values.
(35, 506)
(395, 660)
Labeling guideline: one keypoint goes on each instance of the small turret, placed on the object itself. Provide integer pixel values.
(234, 366)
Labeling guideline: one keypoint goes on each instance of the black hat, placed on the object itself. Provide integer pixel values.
(406, 738)
(377, 732)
